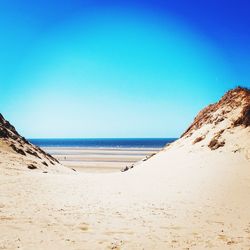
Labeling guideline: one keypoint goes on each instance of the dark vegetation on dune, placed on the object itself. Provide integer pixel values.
(233, 98)
(238, 97)
(20, 145)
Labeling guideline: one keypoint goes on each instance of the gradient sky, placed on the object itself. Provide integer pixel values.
(118, 68)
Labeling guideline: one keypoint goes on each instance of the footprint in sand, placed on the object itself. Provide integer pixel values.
(5, 218)
(116, 245)
(227, 239)
(84, 227)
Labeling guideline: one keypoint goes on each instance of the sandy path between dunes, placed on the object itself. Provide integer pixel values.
(197, 201)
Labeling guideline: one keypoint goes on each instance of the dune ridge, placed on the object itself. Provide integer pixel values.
(223, 125)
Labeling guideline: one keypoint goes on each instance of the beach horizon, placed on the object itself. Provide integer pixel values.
(101, 155)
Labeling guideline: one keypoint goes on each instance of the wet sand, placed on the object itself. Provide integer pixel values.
(101, 160)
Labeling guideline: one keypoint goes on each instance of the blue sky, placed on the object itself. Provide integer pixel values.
(126, 69)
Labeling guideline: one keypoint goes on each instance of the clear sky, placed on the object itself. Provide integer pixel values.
(76, 68)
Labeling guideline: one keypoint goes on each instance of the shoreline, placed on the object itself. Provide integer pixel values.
(99, 160)
(101, 148)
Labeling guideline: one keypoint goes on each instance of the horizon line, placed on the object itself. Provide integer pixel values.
(102, 138)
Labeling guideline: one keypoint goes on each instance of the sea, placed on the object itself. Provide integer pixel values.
(103, 142)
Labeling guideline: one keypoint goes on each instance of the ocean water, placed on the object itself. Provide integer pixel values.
(104, 142)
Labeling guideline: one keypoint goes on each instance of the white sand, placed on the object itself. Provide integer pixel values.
(185, 197)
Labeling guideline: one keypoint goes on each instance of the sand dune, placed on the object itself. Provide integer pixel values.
(193, 194)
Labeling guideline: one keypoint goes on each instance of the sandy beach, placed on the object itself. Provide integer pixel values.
(198, 201)
(193, 194)
(99, 160)
(125, 125)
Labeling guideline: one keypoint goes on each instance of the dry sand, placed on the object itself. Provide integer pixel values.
(193, 194)
(197, 201)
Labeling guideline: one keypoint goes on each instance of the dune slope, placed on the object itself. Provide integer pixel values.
(17, 154)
